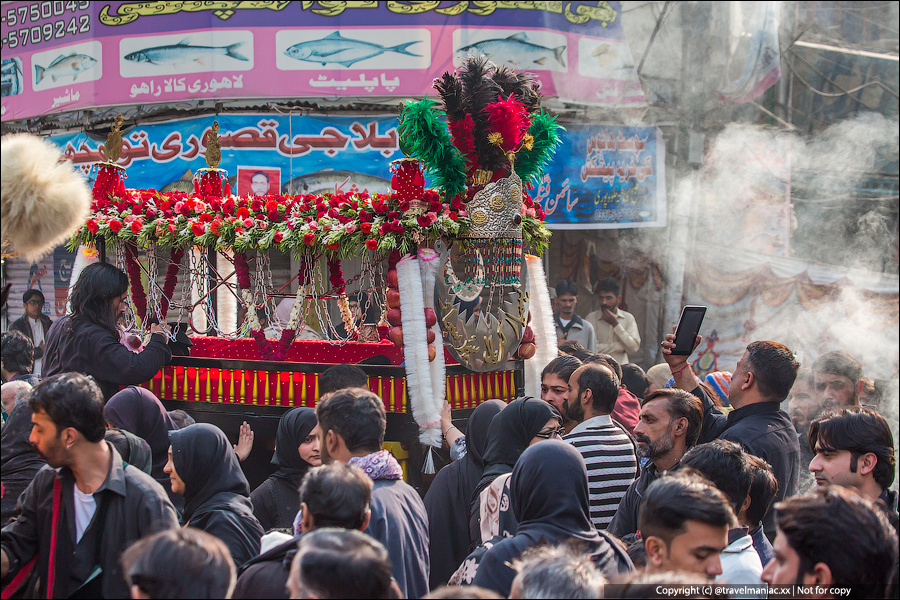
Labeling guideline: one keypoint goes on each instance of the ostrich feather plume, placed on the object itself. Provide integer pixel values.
(44, 200)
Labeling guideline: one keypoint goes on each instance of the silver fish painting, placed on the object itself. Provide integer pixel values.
(334, 48)
(331, 181)
(64, 66)
(184, 52)
(515, 50)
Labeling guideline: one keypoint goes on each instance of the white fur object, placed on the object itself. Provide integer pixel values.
(415, 352)
(44, 200)
(542, 325)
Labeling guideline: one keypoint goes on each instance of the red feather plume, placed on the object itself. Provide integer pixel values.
(463, 131)
(510, 119)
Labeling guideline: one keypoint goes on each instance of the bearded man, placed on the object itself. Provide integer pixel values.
(669, 426)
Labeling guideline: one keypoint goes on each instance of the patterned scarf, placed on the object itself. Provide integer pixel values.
(379, 465)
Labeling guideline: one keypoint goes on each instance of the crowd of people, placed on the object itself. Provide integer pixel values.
(614, 483)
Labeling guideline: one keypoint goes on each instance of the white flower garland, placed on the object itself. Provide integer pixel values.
(542, 325)
(252, 317)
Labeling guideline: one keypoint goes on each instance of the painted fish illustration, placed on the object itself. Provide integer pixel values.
(344, 51)
(331, 181)
(515, 50)
(184, 52)
(11, 83)
(64, 66)
(185, 184)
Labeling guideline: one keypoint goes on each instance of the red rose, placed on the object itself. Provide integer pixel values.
(332, 246)
(541, 215)
(273, 215)
(172, 228)
(92, 226)
(136, 226)
(372, 244)
(185, 209)
(452, 216)
(365, 227)
(215, 227)
(243, 213)
(309, 239)
(278, 237)
(364, 216)
(434, 206)
(206, 217)
(256, 205)
(424, 221)
(115, 225)
(151, 213)
(228, 207)
(271, 205)
(456, 203)
(198, 228)
(404, 205)
(165, 205)
(396, 226)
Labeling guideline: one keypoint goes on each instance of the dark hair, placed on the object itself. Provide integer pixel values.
(337, 495)
(355, 414)
(604, 386)
(681, 404)
(607, 285)
(763, 488)
(839, 363)
(637, 553)
(263, 173)
(609, 361)
(774, 367)
(861, 431)
(97, 286)
(17, 352)
(181, 418)
(634, 379)
(566, 286)
(340, 377)
(462, 592)
(847, 532)
(673, 500)
(562, 367)
(726, 466)
(71, 400)
(29, 294)
(573, 348)
(180, 563)
(343, 563)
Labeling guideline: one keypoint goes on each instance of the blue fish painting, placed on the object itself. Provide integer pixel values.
(334, 48)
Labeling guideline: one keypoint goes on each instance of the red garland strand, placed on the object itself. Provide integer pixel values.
(138, 296)
(171, 281)
(242, 269)
(336, 276)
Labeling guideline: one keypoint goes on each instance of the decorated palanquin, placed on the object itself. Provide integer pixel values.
(453, 272)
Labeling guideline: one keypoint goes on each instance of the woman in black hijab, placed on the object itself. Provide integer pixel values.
(550, 501)
(448, 499)
(139, 411)
(203, 468)
(276, 500)
(513, 429)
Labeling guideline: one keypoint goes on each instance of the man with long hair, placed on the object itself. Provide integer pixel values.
(86, 339)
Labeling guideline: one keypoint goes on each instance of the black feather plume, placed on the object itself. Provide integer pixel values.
(450, 89)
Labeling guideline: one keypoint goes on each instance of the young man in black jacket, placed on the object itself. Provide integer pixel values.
(103, 504)
(760, 382)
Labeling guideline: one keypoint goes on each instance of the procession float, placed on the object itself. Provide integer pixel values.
(452, 272)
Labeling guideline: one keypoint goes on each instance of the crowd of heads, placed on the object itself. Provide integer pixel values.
(703, 495)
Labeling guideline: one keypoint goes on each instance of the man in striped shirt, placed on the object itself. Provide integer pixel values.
(609, 452)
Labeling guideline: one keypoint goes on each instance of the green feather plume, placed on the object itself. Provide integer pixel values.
(545, 131)
(424, 135)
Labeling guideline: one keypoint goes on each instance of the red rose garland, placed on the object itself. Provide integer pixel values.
(138, 296)
(171, 281)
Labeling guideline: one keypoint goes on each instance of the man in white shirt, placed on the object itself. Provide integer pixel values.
(569, 326)
(34, 324)
(616, 330)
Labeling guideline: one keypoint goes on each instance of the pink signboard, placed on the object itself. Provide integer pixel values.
(60, 56)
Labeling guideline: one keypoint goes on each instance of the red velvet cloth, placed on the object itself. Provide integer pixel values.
(301, 351)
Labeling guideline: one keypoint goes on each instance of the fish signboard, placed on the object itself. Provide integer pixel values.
(601, 176)
(61, 56)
